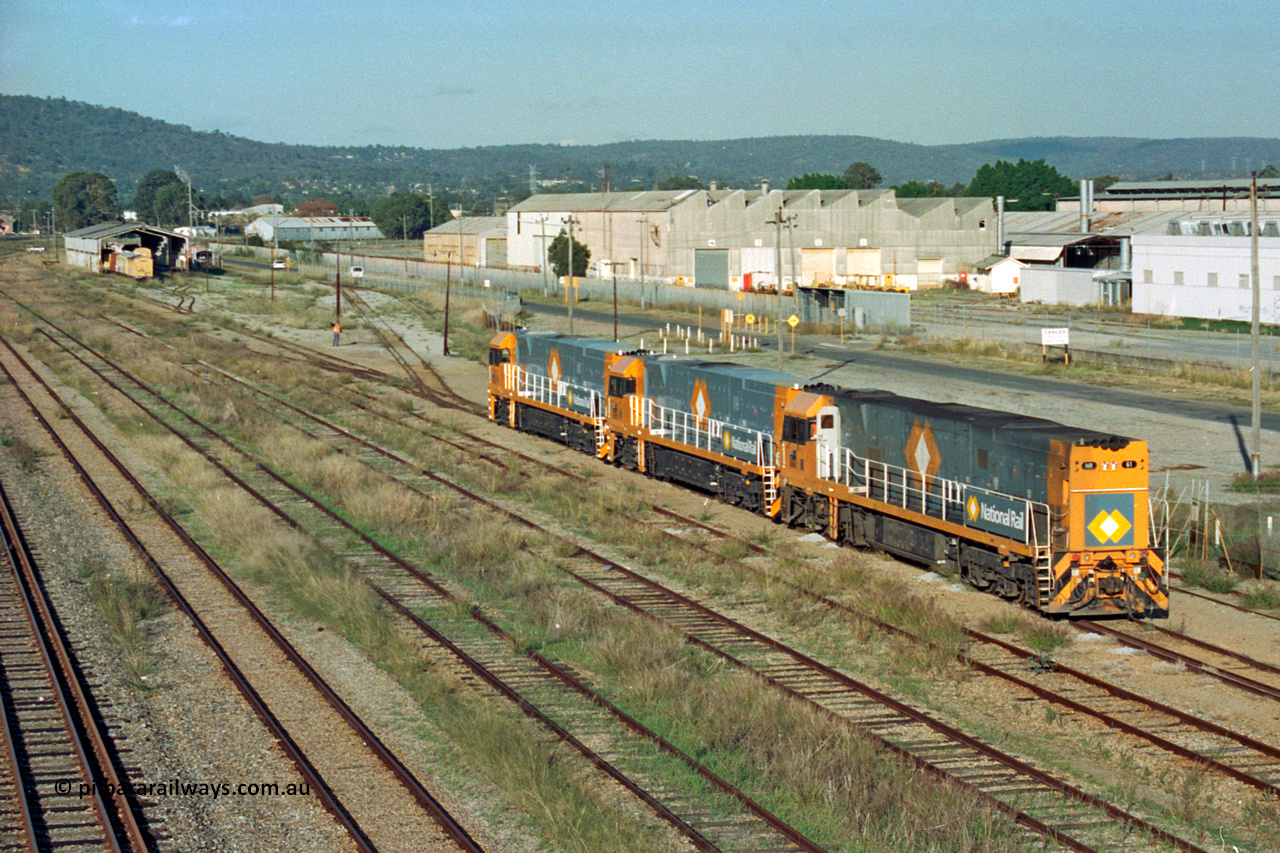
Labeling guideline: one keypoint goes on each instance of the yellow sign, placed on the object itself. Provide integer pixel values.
(793, 321)
(751, 319)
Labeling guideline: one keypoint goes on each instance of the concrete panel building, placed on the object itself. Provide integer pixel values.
(762, 238)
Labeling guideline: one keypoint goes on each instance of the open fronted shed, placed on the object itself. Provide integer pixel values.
(127, 248)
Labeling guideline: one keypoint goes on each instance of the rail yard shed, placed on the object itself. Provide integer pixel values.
(127, 248)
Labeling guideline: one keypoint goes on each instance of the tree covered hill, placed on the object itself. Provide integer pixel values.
(42, 139)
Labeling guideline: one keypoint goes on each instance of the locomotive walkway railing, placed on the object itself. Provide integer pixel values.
(945, 500)
(557, 392)
(707, 433)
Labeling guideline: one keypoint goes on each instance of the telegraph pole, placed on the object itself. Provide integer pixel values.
(779, 220)
(1255, 343)
(569, 290)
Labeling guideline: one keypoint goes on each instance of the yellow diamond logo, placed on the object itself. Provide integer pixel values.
(728, 440)
(1109, 526)
(972, 508)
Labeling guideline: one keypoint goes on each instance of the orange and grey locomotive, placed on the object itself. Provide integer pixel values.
(1052, 516)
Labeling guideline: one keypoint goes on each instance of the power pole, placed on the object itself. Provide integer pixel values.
(779, 220)
(1255, 343)
(570, 294)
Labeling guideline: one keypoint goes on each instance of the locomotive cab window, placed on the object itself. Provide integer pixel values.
(828, 421)
(797, 430)
(621, 386)
(499, 356)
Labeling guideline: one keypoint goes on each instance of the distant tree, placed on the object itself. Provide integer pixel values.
(915, 189)
(861, 176)
(144, 197)
(1269, 171)
(1101, 182)
(171, 206)
(84, 198)
(263, 199)
(317, 207)
(684, 182)
(558, 256)
(1025, 185)
(402, 214)
(816, 181)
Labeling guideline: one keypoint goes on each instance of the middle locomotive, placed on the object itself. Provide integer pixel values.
(1052, 516)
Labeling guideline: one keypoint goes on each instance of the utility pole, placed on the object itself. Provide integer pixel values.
(1255, 343)
(779, 220)
(570, 293)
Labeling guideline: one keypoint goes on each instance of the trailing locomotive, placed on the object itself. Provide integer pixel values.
(1052, 516)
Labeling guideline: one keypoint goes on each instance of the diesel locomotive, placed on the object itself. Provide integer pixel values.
(1052, 516)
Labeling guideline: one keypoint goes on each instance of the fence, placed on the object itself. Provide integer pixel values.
(868, 311)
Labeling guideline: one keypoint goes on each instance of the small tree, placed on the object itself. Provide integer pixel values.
(861, 176)
(558, 256)
(144, 197)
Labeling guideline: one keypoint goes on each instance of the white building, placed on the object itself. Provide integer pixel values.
(314, 228)
(998, 274)
(1208, 277)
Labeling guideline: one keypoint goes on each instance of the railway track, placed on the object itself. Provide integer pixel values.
(721, 818)
(496, 460)
(1199, 741)
(61, 770)
(343, 762)
(771, 659)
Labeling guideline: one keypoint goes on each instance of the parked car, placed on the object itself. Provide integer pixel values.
(280, 264)
(35, 248)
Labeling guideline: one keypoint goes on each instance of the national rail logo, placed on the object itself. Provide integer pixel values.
(1110, 519)
(1109, 527)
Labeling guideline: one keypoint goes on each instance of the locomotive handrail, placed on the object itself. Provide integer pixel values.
(904, 487)
(702, 433)
(554, 392)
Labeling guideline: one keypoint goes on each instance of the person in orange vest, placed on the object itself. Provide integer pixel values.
(337, 332)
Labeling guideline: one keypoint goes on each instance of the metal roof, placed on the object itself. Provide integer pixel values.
(1169, 189)
(1117, 224)
(654, 201)
(471, 225)
(106, 230)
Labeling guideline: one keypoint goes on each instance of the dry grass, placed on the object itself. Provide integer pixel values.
(825, 778)
(128, 603)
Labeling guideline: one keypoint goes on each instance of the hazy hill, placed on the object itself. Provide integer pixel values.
(41, 139)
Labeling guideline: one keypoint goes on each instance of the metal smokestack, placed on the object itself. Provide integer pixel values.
(1000, 225)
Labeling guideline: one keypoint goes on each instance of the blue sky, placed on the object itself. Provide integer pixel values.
(450, 74)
